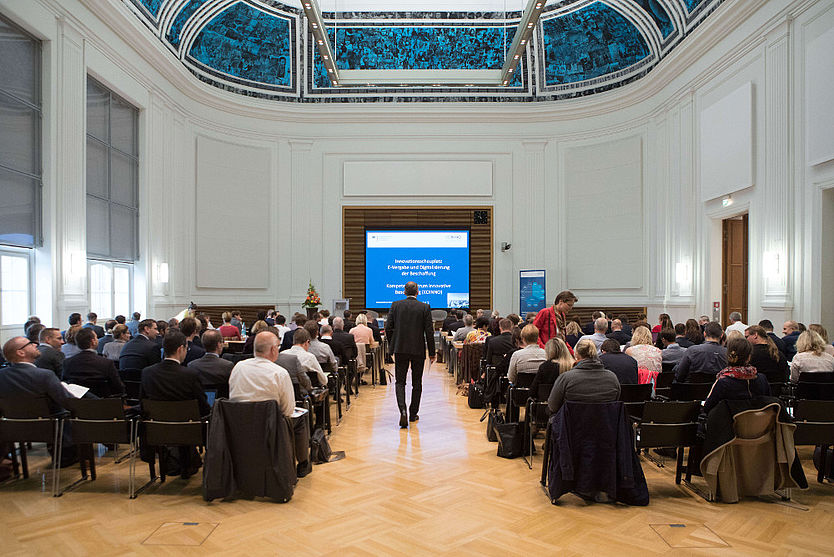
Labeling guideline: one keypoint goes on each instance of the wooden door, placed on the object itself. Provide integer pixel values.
(734, 268)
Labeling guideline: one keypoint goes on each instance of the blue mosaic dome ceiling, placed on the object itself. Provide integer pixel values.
(264, 48)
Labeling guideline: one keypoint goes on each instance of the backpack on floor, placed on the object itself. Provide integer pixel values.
(476, 394)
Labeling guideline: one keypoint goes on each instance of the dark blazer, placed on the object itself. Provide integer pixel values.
(88, 369)
(194, 353)
(790, 344)
(213, 372)
(99, 331)
(50, 359)
(622, 365)
(138, 353)
(776, 371)
(620, 336)
(347, 343)
(450, 319)
(286, 342)
(103, 342)
(336, 347)
(455, 325)
(168, 380)
(547, 374)
(709, 357)
(349, 324)
(730, 388)
(299, 376)
(375, 330)
(780, 344)
(27, 380)
(410, 328)
(498, 346)
(684, 342)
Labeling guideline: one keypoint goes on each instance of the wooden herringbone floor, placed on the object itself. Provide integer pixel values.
(437, 488)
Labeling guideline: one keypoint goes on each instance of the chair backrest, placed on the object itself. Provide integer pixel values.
(669, 424)
(172, 422)
(635, 393)
(543, 391)
(668, 366)
(524, 380)
(689, 391)
(814, 422)
(675, 412)
(100, 420)
(25, 408)
(700, 377)
(131, 374)
(26, 418)
(753, 424)
(816, 377)
(439, 314)
(664, 379)
(815, 391)
(237, 357)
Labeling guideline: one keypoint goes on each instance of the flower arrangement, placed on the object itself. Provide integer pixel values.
(312, 300)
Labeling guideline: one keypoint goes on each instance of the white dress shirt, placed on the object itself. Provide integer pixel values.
(259, 379)
(308, 362)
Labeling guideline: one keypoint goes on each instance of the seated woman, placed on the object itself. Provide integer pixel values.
(649, 358)
(765, 357)
(362, 334)
(810, 355)
(481, 332)
(249, 345)
(823, 333)
(113, 348)
(558, 361)
(573, 332)
(229, 331)
(588, 381)
(739, 380)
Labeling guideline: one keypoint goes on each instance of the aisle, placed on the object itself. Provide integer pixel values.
(436, 488)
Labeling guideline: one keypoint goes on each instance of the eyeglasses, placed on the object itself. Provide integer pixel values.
(22, 346)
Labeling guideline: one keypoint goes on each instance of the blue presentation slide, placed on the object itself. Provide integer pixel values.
(437, 260)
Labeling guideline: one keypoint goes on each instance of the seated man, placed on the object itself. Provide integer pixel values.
(588, 381)
(344, 339)
(672, 351)
(212, 370)
(598, 336)
(468, 327)
(617, 333)
(326, 337)
(92, 323)
(530, 357)
(142, 350)
(619, 363)
(89, 369)
(500, 345)
(323, 353)
(308, 362)
(260, 378)
(49, 348)
(189, 327)
(170, 380)
(709, 357)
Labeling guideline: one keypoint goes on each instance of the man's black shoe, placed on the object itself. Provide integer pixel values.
(403, 419)
(413, 418)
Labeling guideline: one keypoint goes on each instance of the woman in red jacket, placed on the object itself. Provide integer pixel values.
(551, 321)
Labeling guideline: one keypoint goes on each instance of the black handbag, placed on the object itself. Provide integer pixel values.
(510, 439)
(320, 447)
(492, 416)
(476, 394)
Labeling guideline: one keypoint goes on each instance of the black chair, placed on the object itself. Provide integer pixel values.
(236, 357)
(132, 379)
(807, 390)
(166, 423)
(517, 394)
(689, 391)
(815, 426)
(700, 377)
(816, 377)
(101, 421)
(29, 419)
(663, 382)
(537, 414)
(669, 425)
(668, 366)
(634, 397)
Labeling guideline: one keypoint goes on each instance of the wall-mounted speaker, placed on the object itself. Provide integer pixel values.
(480, 217)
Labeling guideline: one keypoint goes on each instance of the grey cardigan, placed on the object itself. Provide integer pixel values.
(588, 381)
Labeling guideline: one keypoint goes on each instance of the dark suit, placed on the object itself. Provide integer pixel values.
(28, 380)
(778, 342)
(336, 347)
(213, 372)
(103, 342)
(349, 325)
(410, 330)
(88, 369)
(450, 319)
(299, 376)
(347, 343)
(622, 365)
(139, 353)
(50, 359)
(620, 336)
(286, 342)
(789, 342)
(99, 331)
(498, 346)
(194, 353)
(169, 380)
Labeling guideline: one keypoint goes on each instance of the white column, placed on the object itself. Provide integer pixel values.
(303, 210)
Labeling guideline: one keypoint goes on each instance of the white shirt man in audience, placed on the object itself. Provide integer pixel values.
(736, 323)
(260, 378)
(307, 361)
(530, 357)
(468, 327)
(600, 327)
(322, 351)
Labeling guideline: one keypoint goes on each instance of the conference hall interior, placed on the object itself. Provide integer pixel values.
(619, 216)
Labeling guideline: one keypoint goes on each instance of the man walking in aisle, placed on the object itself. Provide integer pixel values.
(409, 329)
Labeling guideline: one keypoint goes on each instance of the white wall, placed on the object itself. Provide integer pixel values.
(298, 165)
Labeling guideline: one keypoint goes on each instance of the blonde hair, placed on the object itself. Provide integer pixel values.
(641, 335)
(258, 327)
(557, 351)
(734, 334)
(69, 336)
(226, 317)
(361, 319)
(585, 350)
(572, 328)
(530, 334)
(820, 330)
(810, 341)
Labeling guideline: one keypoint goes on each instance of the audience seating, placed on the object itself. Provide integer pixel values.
(815, 426)
(634, 397)
(29, 419)
(669, 425)
(701, 377)
(536, 414)
(689, 391)
(663, 382)
(518, 394)
(100, 421)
